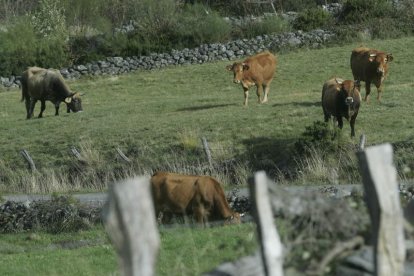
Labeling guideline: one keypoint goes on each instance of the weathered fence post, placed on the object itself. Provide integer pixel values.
(123, 156)
(207, 151)
(29, 159)
(270, 245)
(362, 140)
(75, 153)
(130, 221)
(382, 196)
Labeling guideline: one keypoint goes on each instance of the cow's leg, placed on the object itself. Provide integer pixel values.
(326, 115)
(27, 102)
(379, 90)
(246, 95)
(266, 88)
(42, 108)
(340, 122)
(57, 104)
(367, 91)
(352, 124)
(259, 92)
(31, 107)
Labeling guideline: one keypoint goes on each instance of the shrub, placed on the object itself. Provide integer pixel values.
(356, 11)
(269, 25)
(312, 19)
(49, 20)
(316, 136)
(17, 49)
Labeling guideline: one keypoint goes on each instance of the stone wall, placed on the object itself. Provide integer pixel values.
(236, 49)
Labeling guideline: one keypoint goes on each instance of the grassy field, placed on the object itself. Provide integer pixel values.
(157, 119)
(183, 251)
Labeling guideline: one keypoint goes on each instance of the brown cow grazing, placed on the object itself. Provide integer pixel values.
(370, 66)
(47, 85)
(201, 197)
(256, 70)
(341, 98)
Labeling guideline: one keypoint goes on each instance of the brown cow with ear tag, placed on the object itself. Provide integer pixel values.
(370, 66)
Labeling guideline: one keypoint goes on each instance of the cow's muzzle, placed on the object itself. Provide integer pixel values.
(380, 71)
(349, 100)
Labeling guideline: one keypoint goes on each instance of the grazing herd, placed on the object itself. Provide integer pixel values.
(201, 197)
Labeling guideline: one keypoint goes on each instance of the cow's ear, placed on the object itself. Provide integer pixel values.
(245, 66)
(390, 57)
(68, 100)
(229, 67)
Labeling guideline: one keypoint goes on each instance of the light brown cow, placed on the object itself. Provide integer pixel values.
(370, 66)
(201, 197)
(256, 70)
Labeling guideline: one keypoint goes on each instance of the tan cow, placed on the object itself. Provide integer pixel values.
(370, 66)
(257, 70)
(200, 197)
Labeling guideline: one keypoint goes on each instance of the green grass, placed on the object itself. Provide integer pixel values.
(153, 116)
(183, 251)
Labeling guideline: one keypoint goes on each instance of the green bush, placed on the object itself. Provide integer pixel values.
(312, 19)
(356, 11)
(197, 25)
(21, 46)
(269, 25)
(17, 47)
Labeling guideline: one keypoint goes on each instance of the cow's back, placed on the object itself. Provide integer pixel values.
(262, 65)
(360, 63)
(330, 95)
(172, 192)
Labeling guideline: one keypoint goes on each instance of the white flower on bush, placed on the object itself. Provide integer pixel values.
(49, 19)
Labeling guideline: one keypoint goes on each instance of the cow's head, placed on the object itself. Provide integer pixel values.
(74, 102)
(380, 61)
(237, 68)
(235, 218)
(350, 92)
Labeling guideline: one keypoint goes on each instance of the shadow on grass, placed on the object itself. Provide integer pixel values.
(202, 107)
(305, 104)
(274, 156)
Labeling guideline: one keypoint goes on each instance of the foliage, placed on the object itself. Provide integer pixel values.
(317, 135)
(267, 25)
(311, 19)
(357, 11)
(49, 20)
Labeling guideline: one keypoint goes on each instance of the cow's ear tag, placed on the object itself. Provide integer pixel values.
(68, 100)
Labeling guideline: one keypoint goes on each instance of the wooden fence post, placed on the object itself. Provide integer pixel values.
(270, 245)
(29, 159)
(362, 140)
(129, 219)
(75, 153)
(207, 151)
(381, 192)
(123, 156)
